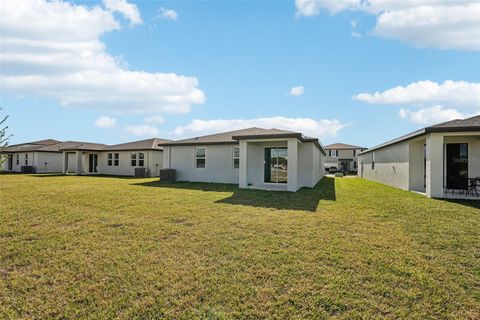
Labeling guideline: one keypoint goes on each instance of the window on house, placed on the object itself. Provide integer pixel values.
(200, 157)
(110, 159)
(133, 159)
(354, 164)
(116, 159)
(236, 157)
(141, 159)
(26, 159)
(334, 153)
(373, 160)
(18, 159)
(354, 152)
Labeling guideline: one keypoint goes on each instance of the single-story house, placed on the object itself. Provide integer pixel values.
(437, 160)
(258, 158)
(41, 156)
(342, 157)
(120, 159)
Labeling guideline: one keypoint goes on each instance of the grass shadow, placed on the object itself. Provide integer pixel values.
(305, 199)
(464, 202)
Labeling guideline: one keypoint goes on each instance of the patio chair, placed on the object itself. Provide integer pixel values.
(473, 186)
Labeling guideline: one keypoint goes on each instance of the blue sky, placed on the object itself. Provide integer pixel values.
(233, 64)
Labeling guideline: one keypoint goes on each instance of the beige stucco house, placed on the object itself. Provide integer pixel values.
(439, 160)
(342, 157)
(269, 159)
(40, 156)
(76, 157)
(121, 159)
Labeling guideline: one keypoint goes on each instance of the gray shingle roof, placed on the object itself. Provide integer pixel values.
(225, 137)
(469, 123)
(342, 146)
(154, 144)
(48, 146)
(232, 137)
(457, 125)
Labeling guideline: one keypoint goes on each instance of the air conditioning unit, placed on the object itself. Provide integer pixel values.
(141, 173)
(167, 175)
(27, 169)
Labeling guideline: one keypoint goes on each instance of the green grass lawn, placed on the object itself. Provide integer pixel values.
(101, 247)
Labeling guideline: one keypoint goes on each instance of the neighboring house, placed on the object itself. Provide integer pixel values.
(342, 157)
(41, 155)
(121, 159)
(435, 160)
(75, 157)
(254, 158)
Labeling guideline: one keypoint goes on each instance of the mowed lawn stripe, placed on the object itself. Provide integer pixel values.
(110, 247)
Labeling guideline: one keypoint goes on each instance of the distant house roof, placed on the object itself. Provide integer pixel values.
(457, 125)
(57, 146)
(342, 146)
(148, 144)
(232, 137)
(78, 145)
(30, 146)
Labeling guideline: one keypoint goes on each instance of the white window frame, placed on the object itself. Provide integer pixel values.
(236, 157)
(204, 158)
(141, 157)
(116, 159)
(109, 159)
(334, 153)
(133, 159)
(26, 159)
(18, 159)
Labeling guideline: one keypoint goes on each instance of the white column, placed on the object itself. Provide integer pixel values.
(65, 162)
(166, 157)
(242, 172)
(434, 165)
(292, 172)
(79, 158)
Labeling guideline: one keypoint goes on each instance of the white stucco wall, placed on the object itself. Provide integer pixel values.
(218, 168)
(153, 161)
(53, 162)
(391, 165)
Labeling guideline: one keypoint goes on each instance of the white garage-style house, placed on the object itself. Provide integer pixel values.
(268, 159)
(440, 161)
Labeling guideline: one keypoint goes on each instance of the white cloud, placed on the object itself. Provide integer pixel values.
(442, 27)
(431, 115)
(168, 14)
(142, 130)
(59, 54)
(155, 120)
(310, 127)
(427, 93)
(312, 7)
(296, 91)
(130, 11)
(105, 122)
(424, 23)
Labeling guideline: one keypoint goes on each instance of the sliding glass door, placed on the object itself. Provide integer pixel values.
(457, 165)
(276, 165)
